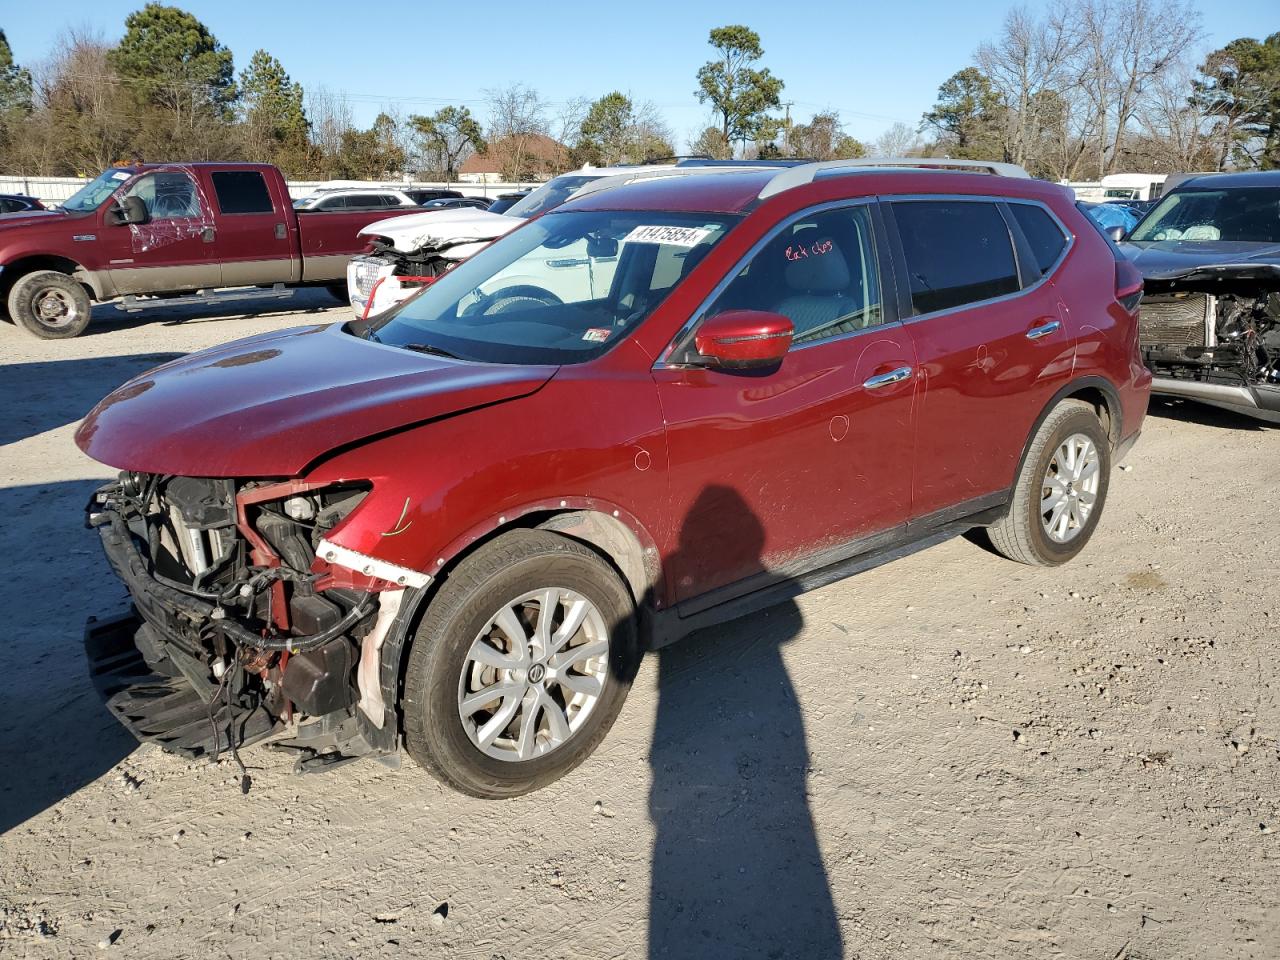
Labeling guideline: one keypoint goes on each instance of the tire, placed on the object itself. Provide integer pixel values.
(511, 574)
(50, 305)
(1071, 509)
(339, 292)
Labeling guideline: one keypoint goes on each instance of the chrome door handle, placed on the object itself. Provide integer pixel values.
(884, 379)
(1035, 333)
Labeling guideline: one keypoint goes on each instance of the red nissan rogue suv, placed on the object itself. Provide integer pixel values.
(458, 525)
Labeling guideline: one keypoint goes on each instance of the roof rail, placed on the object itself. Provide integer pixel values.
(621, 179)
(799, 176)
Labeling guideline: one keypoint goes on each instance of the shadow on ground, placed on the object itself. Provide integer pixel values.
(1188, 411)
(55, 733)
(46, 394)
(736, 867)
(107, 317)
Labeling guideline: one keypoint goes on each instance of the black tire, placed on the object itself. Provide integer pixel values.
(50, 305)
(339, 292)
(495, 575)
(1022, 535)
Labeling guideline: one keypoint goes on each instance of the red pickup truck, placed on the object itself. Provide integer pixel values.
(165, 229)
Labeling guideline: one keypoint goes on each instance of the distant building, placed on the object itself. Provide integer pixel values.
(529, 157)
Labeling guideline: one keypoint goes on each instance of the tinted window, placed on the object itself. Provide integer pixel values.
(957, 252)
(820, 272)
(332, 203)
(242, 191)
(1046, 239)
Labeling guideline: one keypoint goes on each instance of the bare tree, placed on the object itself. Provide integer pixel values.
(1030, 61)
(898, 141)
(331, 123)
(1126, 46)
(517, 121)
(1175, 125)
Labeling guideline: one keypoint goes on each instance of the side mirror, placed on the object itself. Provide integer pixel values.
(744, 339)
(129, 210)
(600, 248)
(1115, 233)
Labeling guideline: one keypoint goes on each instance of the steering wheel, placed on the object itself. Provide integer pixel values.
(519, 297)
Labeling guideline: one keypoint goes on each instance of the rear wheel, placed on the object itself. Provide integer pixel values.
(50, 305)
(1060, 491)
(520, 666)
(339, 292)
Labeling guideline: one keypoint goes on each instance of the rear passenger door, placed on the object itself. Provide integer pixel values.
(254, 237)
(992, 341)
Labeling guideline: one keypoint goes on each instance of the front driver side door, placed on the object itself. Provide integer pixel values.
(773, 472)
(175, 249)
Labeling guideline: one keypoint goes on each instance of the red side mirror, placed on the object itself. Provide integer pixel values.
(744, 339)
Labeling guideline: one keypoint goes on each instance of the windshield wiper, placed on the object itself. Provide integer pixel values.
(432, 350)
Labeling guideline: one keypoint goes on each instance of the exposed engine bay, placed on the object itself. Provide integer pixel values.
(246, 634)
(1225, 333)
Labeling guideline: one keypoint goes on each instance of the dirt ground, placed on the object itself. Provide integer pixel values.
(950, 756)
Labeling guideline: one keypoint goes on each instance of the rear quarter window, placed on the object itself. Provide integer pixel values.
(241, 191)
(1042, 233)
(957, 252)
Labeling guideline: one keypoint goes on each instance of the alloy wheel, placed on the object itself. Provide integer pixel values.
(533, 674)
(1070, 488)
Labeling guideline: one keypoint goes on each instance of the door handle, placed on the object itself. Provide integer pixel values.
(1035, 333)
(884, 379)
(568, 262)
(279, 231)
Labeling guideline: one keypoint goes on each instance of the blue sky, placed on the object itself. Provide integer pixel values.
(873, 62)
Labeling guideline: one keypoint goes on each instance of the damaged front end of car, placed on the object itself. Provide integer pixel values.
(408, 253)
(1212, 334)
(246, 624)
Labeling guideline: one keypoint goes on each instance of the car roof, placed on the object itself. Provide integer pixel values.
(1226, 181)
(737, 191)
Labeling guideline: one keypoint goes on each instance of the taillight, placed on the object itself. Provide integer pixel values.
(1128, 285)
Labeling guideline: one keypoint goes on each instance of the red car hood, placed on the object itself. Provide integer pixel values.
(269, 405)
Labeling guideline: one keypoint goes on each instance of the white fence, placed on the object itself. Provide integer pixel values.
(57, 189)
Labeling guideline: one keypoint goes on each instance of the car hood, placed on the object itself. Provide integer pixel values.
(438, 228)
(17, 216)
(1180, 262)
(269, 406)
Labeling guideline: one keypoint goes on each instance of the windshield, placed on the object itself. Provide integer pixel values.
(550, 194)
(92, 194)
(1244, 214)
(562, 289)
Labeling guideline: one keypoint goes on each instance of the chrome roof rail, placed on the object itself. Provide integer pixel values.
(622, 179)
(799, 176)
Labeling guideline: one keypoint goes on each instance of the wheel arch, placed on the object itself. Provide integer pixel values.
(613, 533)
(1098, 393)
(18, 268)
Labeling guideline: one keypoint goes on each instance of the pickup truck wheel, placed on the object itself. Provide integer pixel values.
(520, 665)
(50, 305)
(339, 292)
(1060, 491)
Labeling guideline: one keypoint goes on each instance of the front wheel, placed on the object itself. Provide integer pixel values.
(520, 666)
(50, 305)
(1060, 490)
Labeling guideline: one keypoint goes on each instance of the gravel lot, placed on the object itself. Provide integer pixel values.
(950, 756)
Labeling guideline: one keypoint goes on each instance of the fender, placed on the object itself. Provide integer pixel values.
(1110, 395)
(415, 599)
(15, 266)
(642, 584)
